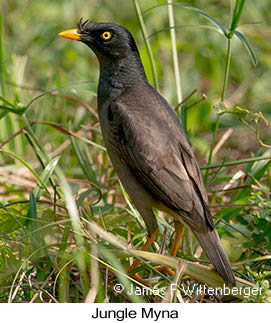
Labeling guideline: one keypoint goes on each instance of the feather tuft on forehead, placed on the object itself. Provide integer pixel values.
(85, 25)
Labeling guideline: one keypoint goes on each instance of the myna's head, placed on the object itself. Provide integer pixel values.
(105, 39)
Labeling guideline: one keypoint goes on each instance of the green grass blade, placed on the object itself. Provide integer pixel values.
(184, 26)
(123, 278)
(195, 10)
(54, 90)
(46, 174)
(2, 58)
(237, 162)
(18, 111)
(247, 46)
(147, 42)
(76, 225)
(174, 52)
(196, 271)
(34, 235)
(28, 167)
(7, 102)
(85, 169)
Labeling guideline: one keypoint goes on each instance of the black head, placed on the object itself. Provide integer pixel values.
(105, 39)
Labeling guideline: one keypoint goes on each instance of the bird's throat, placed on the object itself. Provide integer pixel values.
(121, 73)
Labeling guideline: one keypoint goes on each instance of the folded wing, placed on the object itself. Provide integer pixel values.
(163, 161)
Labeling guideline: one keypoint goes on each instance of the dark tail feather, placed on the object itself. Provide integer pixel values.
(214, 250)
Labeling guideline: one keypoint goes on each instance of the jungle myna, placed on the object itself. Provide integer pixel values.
(146, 142)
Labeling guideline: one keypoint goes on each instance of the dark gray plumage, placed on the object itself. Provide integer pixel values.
(146, 141)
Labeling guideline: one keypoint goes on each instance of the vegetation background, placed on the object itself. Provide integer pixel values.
(66, 225)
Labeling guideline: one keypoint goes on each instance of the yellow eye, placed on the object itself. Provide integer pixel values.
(106, 35)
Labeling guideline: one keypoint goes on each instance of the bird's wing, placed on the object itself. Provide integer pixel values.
(166, 167)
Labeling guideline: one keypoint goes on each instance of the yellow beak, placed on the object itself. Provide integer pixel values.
(71, 34)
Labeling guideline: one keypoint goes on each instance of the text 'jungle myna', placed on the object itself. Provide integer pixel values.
(147, 144)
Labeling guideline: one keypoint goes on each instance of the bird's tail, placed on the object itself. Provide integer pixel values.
(214, 250)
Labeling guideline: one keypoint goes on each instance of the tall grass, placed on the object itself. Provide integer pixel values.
(68, 231)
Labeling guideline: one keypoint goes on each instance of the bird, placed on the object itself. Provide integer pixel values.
(147, 144)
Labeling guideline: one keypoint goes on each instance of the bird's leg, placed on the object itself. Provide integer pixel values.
(179, 229)
(136, 263)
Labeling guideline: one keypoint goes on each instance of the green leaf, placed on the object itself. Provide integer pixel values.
(114, 220)
(10, 264)
(247, 46)
(7, 102)
(33, 210)
(34, 235)
(45, 176)
(265, 214)
(84, 195)
(239, 112)
(87, 169)
(220, 108)
(13, 217)
(19, 111)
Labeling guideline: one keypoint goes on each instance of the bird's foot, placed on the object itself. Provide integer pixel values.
(164, 269)
(136, 263)
(160, 268)
(142, 281)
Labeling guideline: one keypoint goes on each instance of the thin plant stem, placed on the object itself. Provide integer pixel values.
(147, 42)
(2, 60)
(174, 51)
(227, 69)
(31, 133)
(226, 77)
(236, 162)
